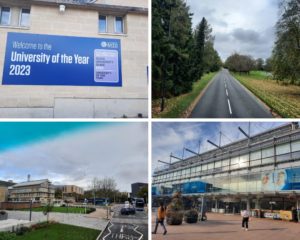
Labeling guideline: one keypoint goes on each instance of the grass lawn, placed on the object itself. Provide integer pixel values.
(282, 99)
(60, 232)
(62, 210)
(177, 107)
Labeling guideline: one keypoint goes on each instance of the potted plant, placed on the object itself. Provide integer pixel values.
(174, 213)
(191, 216)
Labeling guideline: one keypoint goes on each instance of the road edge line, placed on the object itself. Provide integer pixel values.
(100, 235)
(192, 106)
(274, 114)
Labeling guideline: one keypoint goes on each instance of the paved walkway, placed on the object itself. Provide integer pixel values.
(8, 225)
(228, 227)
(80, 220)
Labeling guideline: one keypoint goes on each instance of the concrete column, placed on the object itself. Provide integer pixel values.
(248, 204)
(216, 205)
(257, 203)
(298, 210)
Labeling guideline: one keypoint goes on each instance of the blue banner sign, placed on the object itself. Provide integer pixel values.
(34, 59)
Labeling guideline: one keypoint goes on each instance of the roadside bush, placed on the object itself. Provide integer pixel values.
(41, 225)
(7, 236)
(22, 230)
(90, 210)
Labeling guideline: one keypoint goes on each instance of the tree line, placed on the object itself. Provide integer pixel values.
(180, 54)
(284, 62)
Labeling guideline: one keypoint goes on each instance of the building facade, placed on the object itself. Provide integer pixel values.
(262, 172)
(4, 190)
(87, 83)
(37, 191)
(72, 189)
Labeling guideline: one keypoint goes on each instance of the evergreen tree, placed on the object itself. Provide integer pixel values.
(286, 53)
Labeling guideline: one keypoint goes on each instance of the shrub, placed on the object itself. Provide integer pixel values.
(191, 216)
(7, 236)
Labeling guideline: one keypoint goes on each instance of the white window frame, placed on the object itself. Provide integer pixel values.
(123, 25)
(20, 17)
(106, 23)
(9, 19)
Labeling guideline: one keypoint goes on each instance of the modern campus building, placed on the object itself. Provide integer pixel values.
(72, 189)
(4, 190)
(73, 58)
(258, 172)
(37, 191)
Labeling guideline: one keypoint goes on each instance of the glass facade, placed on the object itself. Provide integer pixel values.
(259, 170)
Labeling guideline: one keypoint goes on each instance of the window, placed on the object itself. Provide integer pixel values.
(119, 26)
(296, 146)
(24, 17)
(102, 24)
(267, 152)
(5, 16)
(255, 155)
(282, 149)
(210, 165)
(218, 164)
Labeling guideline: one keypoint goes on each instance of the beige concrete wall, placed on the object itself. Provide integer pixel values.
(51, 101)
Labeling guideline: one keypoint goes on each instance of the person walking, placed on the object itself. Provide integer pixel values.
(161, 214)
(245, 219)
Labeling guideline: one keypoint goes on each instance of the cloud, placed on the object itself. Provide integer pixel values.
(246, 27)
(119, 151)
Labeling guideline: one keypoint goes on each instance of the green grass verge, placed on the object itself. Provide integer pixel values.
(63, 210)
(60, 232)
(177, 106)
(282, 99)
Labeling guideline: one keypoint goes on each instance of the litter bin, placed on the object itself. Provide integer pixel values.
(3, 215)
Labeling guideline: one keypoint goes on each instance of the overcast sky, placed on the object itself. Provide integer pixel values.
(172, 137)
(246, 27)
(74, 153)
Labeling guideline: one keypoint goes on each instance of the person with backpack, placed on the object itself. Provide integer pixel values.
(161, 214)
(245, 219)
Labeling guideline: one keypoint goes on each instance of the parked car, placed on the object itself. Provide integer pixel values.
(128, 209)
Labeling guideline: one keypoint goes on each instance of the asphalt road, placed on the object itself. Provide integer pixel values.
(227, 98)
(125, 232)
(126, 227)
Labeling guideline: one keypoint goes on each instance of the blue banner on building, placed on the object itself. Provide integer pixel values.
(34, 59)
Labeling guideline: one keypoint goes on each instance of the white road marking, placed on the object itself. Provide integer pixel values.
(229, 106)
(121, 229)
(226, 92)
(109, 231)
(142, 235)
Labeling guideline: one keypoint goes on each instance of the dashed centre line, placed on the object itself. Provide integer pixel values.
(228, 101)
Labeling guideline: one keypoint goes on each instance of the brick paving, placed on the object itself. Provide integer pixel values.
(228, 227)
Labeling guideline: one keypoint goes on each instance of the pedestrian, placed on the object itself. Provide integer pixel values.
(161, 214)
(245, 219)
